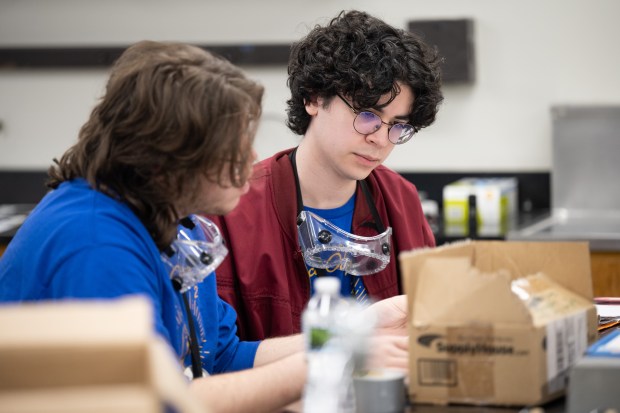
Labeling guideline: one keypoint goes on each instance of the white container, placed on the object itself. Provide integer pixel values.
(496, 205)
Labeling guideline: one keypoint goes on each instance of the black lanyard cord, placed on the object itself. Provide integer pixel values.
(300, 202)
(193, 340)
(372, 207)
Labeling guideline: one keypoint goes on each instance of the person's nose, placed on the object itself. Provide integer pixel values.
(380, 136)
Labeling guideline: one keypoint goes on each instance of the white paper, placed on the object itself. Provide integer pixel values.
(608, 310)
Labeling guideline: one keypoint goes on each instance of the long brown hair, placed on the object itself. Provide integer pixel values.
(171, 114)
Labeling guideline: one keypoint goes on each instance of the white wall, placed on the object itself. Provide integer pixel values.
(530, 54)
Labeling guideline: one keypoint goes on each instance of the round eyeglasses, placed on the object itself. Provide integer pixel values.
(367, 122)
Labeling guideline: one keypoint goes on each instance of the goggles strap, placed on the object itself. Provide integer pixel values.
(372, 207)
(193, 340)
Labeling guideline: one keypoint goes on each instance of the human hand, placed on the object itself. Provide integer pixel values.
(390, 315)
(388, 352)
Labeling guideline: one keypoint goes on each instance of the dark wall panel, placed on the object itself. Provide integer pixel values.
(85, 57)
(22, 187)
(455, 41)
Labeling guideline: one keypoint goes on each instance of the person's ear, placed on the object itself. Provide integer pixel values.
(312, 105)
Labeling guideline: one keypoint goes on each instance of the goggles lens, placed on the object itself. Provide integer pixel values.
(324, 245)
(198, 250)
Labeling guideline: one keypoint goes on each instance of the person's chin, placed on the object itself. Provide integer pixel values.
(359, 174)
(221, 209)
(229, 207)
(361, 167)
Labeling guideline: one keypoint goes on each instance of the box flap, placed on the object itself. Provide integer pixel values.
(451, 291)
(547, 300)
(99, 356)
(412, 261)
(86, 342)
(567, 263)
(125, 321)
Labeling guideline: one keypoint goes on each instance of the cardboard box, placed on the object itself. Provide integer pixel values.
(496, 205)
(497, 322)
(88, 357)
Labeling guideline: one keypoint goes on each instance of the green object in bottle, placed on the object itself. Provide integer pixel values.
(318, 337)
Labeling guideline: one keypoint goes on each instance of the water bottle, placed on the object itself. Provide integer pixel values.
(328, 360)
(318, 320)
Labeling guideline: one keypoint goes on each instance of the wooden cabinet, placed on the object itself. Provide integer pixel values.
(606, 273)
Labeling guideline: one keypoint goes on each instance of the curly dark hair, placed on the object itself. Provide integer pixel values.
(171, 114)
(362, 57)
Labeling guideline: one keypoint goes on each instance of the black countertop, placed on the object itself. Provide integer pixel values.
(13, 215)
(445, 235)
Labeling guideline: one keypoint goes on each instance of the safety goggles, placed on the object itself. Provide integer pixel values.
(367, 122)
(196, 252)
(324, 245)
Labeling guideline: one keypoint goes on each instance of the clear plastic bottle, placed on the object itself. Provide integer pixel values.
(328, 360)
(318, 320)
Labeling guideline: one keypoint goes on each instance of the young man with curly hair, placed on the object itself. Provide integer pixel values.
(359, 89)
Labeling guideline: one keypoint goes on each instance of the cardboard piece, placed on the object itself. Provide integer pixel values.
(98, 356)
(497, 322)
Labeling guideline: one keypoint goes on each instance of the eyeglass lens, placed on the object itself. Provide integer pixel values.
(368, 122)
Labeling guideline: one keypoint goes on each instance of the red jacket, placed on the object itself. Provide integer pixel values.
(264, 276)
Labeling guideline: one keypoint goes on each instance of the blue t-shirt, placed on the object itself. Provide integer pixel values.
(342, 217)
(81, 243)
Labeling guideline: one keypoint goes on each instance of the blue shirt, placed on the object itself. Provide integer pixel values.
(81, 243)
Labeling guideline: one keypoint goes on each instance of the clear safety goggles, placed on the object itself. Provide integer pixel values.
(198, 250)
(324, 245)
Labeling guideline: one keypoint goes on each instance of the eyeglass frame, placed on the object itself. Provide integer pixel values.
(390, 125)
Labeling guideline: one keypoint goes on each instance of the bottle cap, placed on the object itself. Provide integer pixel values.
(327, 285)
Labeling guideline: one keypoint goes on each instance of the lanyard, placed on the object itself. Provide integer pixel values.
(194, 347)
(193, 340)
